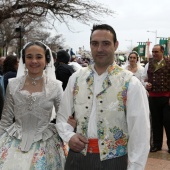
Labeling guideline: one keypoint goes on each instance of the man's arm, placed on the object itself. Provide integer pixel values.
(65, 130)
(76, 141)
(138, 125)
(144, 80)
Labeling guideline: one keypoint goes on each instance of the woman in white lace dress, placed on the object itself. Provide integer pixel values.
(134, 66)
(31, 142)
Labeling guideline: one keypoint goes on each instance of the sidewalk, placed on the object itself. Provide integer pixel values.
(159, 160)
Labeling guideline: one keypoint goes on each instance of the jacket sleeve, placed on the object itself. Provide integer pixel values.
(7, 113)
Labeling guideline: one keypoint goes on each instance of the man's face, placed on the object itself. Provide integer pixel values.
(157, 53)
(103, 48)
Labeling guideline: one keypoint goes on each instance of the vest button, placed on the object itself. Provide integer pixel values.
(101, 101)
(88, 97)
(86, 107)
(101, 110)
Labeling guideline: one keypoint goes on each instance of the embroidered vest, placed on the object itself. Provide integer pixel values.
(111, 118)
(159, 75)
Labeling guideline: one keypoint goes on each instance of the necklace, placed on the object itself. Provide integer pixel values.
(132, 67)
(34, 83)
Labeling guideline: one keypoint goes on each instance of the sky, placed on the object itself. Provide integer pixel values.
(131, 21)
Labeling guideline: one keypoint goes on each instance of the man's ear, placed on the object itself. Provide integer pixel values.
(116, 45)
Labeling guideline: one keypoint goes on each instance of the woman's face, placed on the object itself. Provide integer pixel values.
(35, 60)
(132, 59)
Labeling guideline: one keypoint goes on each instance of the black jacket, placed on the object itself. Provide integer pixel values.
(63, 72)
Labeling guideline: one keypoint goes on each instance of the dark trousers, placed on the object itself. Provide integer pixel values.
(160, 118)
(77, 161)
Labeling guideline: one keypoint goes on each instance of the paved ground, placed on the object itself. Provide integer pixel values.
(159, 160)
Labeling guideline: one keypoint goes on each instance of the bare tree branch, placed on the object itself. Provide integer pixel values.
(83, 11)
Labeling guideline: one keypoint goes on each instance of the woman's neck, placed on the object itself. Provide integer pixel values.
(133, 66)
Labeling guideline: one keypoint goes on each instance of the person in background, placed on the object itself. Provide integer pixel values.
(134, 65)
(1, 101)
(110, 106)
(156, 79)
(1, 64)
(10, 67)
(54, 54)
(76, 66)
(32, 142)
(62, 70)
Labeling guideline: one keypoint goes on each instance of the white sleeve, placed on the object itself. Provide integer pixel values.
(64, 129)
(145, 75)
(138, 125)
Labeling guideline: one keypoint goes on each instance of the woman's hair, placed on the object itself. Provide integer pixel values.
(38, 43)
(134, 52)
(10, 63)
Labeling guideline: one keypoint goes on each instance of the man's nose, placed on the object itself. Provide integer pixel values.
(100, 47)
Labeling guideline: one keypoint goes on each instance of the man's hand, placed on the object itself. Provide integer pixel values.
(148, 86)
(77, 142)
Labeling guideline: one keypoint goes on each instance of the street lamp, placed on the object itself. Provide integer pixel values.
(155, 35)
(21, 30)
(130, 44)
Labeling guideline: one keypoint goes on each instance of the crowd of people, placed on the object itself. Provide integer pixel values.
(60, 112)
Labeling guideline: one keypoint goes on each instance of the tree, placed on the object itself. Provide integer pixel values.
(32, 31)
(54, 42)
(61, 10)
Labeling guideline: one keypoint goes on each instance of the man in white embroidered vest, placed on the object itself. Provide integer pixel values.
(110, 106)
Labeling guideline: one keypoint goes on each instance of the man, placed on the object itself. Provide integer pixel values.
(157, 82)
(111, 109)
(63, 70)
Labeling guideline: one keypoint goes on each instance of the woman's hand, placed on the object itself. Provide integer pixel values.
(72, 121)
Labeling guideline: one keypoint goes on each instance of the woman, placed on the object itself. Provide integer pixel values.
(32, 142)
(134, 65)
(10, 67)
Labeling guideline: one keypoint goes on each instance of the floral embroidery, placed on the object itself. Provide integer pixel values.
(90, 81)
(110, 69)
(84, 126)
(118, 146)
(114, 69)
(122, 97)
(75, 88)
(106, 84)
(42, 155)
(101, 129)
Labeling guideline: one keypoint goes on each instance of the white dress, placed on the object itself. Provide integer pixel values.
(139, 71)
(31, 142)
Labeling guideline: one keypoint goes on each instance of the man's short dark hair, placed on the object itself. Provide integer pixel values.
(161, 47)
(104, 27)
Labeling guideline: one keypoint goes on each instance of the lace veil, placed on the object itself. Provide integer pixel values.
(50, 69)
(127, 61)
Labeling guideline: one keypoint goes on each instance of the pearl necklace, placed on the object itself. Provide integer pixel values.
(34, 83)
